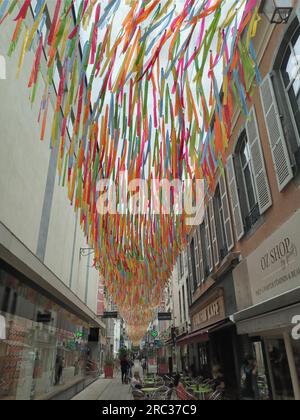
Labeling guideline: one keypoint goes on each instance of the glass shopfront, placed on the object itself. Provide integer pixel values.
(296, 349)
(279, 369)
(43, 347)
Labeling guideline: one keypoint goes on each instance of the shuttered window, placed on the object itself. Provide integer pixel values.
(208, 241)
(200, 253)
(197, 260)
(213, 229)
(190, 268)
(235, 201)
(226, 213)
(279, 149)
(260, 178)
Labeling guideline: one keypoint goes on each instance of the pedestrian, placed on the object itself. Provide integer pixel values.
(218, 379)
(59, 364)
(144, 366)
(131, 364)
(136, 381)
(124, 370)
(249, 383)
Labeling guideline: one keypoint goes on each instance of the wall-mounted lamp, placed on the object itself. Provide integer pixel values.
(277, 11)
(85, 252)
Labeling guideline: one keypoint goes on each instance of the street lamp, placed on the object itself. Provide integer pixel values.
(277, 11)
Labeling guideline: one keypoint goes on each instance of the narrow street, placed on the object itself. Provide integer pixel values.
(150, 200)
(109, 389)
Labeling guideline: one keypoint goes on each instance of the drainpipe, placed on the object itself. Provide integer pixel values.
(292, 365)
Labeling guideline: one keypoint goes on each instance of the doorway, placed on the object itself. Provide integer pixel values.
(279, 370)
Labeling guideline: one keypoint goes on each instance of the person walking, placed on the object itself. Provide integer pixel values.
(249, 379)
(144, 366)
(124, 370)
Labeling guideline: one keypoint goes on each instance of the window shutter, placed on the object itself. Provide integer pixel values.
(261, 181)
(208, 242)
(213, 230)
(190, 268)
(200, 252)
(235, 200)
(197, 259)
(280, 154)
(226, 213)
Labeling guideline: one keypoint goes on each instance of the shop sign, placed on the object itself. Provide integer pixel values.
(274, 268)
(210, 314)
(165, 316)
(2, 328)
(296, 329)
(110, 315)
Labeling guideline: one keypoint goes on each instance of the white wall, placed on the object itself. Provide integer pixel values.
(24, 162)
(23, 158)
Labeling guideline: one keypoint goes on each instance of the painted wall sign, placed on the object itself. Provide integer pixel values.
(211, 313)
(165, 316)
(274, 268)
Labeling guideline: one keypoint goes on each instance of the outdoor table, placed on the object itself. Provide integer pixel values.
(201, 392)
(149, 390)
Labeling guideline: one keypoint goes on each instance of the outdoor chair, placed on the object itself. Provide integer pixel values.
(217, 396)
(138, 394)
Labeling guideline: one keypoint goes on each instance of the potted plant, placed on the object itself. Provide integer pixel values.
(109, 367)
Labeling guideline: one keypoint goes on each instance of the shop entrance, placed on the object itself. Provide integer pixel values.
(281, 382)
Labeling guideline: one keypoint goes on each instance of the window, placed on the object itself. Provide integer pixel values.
(181, 268)
(204, 250)
(194, 270)
(245, 162)
(290, 71)
(183, 301)
(246, 184)
(223, 250)
(180, 307)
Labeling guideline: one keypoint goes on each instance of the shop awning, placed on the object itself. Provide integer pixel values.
(200, 336)
(273, 314)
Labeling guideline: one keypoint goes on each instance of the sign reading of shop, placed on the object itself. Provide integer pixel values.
(210, 314)
(296, 329)
(282, 252)
(108, 315)
(43, 318)
(165, 316)
(274, 268)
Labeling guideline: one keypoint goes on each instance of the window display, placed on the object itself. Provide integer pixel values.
(43, 347)
(296, 348)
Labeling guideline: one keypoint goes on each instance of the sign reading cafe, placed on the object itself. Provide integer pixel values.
(274, 268)
(210, 313)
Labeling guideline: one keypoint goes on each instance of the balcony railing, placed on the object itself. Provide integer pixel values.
(252, 218)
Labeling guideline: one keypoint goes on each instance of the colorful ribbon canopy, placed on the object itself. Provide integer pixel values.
(148, 87)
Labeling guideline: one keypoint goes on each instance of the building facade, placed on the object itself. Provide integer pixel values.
(51, 332)
(244, 269)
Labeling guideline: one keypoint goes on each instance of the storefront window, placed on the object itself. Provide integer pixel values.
(296, 348)
(43, 347)
(262, 380)
(280, 372)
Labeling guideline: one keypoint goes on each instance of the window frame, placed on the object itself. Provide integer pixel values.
(243, 140)
(289, 47)
(220, 223)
